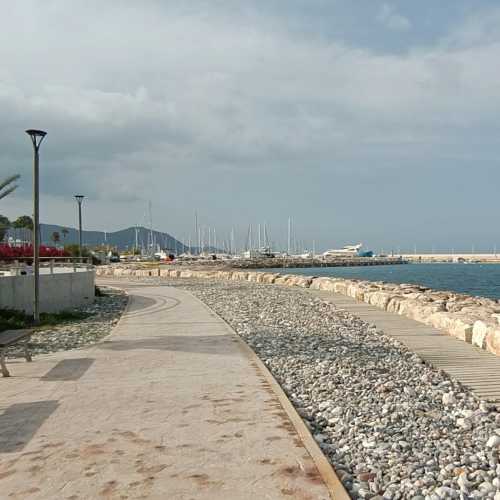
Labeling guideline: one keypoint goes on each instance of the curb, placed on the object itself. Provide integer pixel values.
(333, 484)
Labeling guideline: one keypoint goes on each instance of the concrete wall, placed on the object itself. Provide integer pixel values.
(57, 291)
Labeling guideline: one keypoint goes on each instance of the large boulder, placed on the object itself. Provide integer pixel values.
(395, 303)
(340, 286)
(462, 327)
(493, 341)
(239, 276)
(318, 283)
(423, 311)
(440, 320)
(224, 275)
(282, 279)
(381, 299)
(480, 331)
(302, 281)
(355, 289)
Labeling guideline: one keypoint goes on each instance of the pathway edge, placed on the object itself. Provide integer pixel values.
(335, 487)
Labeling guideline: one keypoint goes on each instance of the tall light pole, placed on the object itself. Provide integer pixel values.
(36, 137)
(79, 199)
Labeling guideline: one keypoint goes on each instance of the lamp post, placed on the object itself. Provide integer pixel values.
(36, 137)
(79, 199)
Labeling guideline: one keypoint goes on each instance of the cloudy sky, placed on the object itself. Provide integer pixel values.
(371, 121)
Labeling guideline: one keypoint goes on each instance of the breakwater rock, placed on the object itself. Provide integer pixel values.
(475, 320)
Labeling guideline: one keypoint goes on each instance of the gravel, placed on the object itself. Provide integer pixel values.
(391, 425)
(104, 313)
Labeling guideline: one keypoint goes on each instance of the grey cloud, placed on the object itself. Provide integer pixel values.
(390, 18)
(139, 102)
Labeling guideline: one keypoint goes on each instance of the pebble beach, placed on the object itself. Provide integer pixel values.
(103, 314)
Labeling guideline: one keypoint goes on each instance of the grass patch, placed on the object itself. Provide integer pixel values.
(14, 320)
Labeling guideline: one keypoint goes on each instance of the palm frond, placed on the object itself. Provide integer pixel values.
(8, 181)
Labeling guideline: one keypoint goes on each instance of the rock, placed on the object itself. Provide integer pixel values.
(493, 441)
(446, 492)
(464, 423)
(449, 398)
(480, 331)
(493, 341)
(463, 482)
(367, 476)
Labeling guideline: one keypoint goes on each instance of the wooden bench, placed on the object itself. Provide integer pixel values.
(11, 337)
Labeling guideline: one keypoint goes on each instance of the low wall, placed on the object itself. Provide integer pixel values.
(57, 291)
(475, 320)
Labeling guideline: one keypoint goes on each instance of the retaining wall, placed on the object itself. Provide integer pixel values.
(58, 291)
(475, 320)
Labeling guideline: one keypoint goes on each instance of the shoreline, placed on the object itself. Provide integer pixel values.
(474, 320)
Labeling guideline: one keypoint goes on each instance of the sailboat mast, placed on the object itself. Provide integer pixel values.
(289, 235)
(196, 233)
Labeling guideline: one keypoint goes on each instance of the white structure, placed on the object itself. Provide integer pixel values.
(347, 251)
(64, 289)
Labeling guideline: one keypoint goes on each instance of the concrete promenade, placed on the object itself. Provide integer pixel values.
(170, 406)
(475, 368)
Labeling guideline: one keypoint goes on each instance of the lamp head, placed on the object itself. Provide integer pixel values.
(36, 133)
(36, 136)
(79, 197)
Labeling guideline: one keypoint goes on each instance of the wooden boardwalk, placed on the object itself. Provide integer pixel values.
(473, 367)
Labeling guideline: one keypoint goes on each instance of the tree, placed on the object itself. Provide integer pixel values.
(64, 233)
(24, 222)
(73, 250)
(8, 185)
(55, 237)
(4, 226)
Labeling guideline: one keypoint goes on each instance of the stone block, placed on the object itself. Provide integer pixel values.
(317, 282)
(270, 277)
(493, 341)
(480, 331)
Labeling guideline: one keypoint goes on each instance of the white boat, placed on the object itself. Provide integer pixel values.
(347, 251)
(161, 255)
(259, 253)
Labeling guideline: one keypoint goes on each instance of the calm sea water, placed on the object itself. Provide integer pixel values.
(474, 279)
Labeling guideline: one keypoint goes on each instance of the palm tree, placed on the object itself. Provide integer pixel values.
(55, 237)
(8, 185)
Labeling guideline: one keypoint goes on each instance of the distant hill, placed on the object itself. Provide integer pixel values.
(122, 239)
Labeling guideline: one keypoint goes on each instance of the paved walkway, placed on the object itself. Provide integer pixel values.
(473, 367)
(170, 406)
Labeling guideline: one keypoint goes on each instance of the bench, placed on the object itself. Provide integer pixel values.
(11, 337)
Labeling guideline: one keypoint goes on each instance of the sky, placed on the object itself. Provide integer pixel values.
(368, 121)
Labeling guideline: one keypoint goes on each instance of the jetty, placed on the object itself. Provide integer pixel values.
(290, 262)
(484, 258)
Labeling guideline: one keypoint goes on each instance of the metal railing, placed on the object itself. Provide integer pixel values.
(17, 266)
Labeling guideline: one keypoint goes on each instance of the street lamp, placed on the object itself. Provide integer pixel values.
(36, 137)
(79, 199)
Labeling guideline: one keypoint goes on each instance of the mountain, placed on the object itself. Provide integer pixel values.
(123, 239)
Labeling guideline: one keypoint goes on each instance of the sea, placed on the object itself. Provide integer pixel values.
(481, 280)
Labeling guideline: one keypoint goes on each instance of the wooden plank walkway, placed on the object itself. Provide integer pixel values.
(473, 367)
